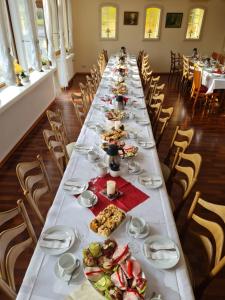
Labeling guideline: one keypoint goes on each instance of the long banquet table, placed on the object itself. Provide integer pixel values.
(40, 281)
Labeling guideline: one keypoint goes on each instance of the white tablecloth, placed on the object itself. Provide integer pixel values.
(40, 282)
(212, 81)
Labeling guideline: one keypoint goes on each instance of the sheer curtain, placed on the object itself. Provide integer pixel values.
(6, 60)
(62, 68)
(36, 53)
(70, 24)
(48, 13)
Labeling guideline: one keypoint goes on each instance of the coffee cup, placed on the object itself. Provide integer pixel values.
(101, 169)
(66, 264)
(92, 155)
(87, 197)
(137, 225)
(132, 135)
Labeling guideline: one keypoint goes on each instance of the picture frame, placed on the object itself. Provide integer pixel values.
(130, 18)
(174, 20)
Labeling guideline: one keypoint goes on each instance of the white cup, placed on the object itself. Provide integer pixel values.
(92, 155)
(87, 197)
(66, 264)
(137, 225)
(132, 135)
(101, 169)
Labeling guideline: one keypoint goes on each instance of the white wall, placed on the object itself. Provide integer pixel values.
(88, 44)
(16, 119)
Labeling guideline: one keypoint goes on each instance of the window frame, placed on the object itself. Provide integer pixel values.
(100, 21)
(203, 21)
(160, 22)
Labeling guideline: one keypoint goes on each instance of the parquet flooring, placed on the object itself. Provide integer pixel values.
(208, 141)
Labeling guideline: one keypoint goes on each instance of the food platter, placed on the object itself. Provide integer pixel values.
(113, 271)
(115, 115)
(113, 135)
(108, 220)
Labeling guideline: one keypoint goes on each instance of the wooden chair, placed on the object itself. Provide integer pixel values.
(187, 74)
(79, 109)
(215, 55)
(34, 181)
(152, 88)
(212, 238)
(198, 91)
(56, 120)
(155, 108)
(85, 97)
(179, 143)
(162, 123)
(57, 150)
(186, 177)
(58, 127)
(175, 65)
(11, 249)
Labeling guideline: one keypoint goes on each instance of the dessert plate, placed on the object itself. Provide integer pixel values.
(150, 181)
(165, 256)
(60, 231)
(95, 200)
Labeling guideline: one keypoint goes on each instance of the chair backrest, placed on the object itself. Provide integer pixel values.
(9, 254)
(85, 96)
(196, 84)
(163, 121)
(179, 143)
(57, 150)
(34, 181)
(79, 109)
(56, 120)
(215, 55)
(214, 245)
(190, 172)
(5, 288)
(155, 109)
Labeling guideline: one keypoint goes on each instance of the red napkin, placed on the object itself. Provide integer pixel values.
(130, 198)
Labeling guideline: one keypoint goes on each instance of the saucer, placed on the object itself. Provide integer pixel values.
(95, 200)
(66, 278)
(142, 122)
(150, 181)
(146, 144)
(142, 235)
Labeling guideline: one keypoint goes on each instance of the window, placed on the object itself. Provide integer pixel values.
(41, 28)
(152, 23)
(195, 23)
(108, 22)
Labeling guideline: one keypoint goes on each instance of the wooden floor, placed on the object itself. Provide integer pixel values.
(209, 141)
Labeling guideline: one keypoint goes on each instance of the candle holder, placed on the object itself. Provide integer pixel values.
(18, 80)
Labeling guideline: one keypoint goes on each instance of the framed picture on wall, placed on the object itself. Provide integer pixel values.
(174, 20)
(130, 18)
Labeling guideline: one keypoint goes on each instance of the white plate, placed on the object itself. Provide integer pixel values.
(146, 144)
(82, 148)
(75, 187)
(150, 181)
(140, 235)
(142, 122)
(91, 125)
(68, 231)
(75, 275)
(95, 200)
(162, 263)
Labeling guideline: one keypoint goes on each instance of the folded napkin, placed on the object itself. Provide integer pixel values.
(53, 243)
(85, 292)
(163, 251)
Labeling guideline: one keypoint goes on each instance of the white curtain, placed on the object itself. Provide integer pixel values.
(6, 59)
(62, 68)
(70, 24)
(36, 53)
(48, 9)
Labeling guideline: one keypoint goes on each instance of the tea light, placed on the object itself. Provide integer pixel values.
(117, 125)
(111, 187)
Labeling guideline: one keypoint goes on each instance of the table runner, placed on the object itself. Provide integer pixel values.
(131, 196)
(40, 282)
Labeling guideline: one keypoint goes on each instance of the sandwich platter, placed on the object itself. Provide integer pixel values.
(113, 271)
